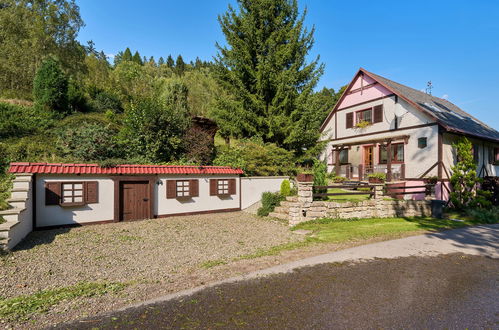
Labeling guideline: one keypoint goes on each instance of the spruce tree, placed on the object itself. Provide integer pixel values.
(161, 61)
(180, 65)
(127, 55)
(264, 66)
(50, 86)
(136, 58)
(170, 62)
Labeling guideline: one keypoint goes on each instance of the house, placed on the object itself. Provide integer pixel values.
(379, 125)
(52, 195)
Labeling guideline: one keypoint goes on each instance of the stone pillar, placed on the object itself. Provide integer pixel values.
(305, 185)
(378, 190)
(305, 193)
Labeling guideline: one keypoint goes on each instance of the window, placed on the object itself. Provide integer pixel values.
(494, 156)
(364, 115)
(183, 189)
(475, 153)
(71, 193)
(397, 153)
(223, 187)
(344, 156)
(422, 143)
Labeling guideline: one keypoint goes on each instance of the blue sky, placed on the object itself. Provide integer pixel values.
(455, 44)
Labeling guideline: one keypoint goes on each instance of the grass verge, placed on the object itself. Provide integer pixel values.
(20, 308)
(346, 198)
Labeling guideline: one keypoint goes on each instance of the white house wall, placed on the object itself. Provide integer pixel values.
(204, 202)
(412, 117)
(54, 215)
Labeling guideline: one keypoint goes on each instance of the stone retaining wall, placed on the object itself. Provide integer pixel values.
(302, 208)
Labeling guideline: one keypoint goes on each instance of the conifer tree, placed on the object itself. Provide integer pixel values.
(50, 86)
(170, 62)
(136, 58)
(264, 66)
(161, 61)
(127, 55)
(180, 65)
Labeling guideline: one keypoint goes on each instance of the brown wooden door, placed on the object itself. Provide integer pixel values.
(135, 200)
(368, 156)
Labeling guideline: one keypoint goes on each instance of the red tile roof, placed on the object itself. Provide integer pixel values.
(48, 168)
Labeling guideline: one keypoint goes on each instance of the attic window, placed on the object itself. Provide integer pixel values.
(422, 142)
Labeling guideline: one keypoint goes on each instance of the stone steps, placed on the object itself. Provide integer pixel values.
(278, 215)
(281, 209)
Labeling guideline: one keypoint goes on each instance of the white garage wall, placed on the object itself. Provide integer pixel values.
(55, 215)
(254, 186)
(204, 202)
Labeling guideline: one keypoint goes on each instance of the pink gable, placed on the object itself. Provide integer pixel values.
(362, 90)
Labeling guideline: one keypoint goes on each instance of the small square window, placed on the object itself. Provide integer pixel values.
(422, 143)
(72, 193)
(223, 187)
(183, 188)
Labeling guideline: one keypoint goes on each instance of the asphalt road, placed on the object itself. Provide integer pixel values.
(423, 282)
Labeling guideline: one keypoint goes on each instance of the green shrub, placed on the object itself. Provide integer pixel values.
(89, 141)
(257, 158)
(337, 179)
(488, 215)
(285, 188)
(76, 98)
(491, 184)
(18, 121)
(320, 177)
(269, 202)
(50, 87)
(105, 101)
(381, 176)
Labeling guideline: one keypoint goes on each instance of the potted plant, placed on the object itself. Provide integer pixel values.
(377, 178)
(305, 177)
(431, 180)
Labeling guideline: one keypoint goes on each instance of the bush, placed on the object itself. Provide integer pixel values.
(320, 177)
(337, 179)
(50, 87)
(489, 215)
(269, 203)
(18, 121)
(89, 141)
(199, 146)
(464, 178)
(76, 98)
(105, 101)
(285, 188)
(491, 184)
(380, 176)
(257, 158)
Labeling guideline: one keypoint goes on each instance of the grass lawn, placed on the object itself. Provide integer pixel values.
(338, 231)
(346, 198)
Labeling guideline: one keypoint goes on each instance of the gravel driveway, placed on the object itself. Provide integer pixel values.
(157, 256)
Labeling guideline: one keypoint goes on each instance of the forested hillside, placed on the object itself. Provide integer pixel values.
(61, 101)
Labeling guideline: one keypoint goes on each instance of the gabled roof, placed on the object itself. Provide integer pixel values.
(47, 168)
(447, 114)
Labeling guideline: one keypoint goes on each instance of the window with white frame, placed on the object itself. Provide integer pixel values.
(223, 187)
(72, 193)
(183, 188)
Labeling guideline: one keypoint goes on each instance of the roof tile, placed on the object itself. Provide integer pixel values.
(47, 168)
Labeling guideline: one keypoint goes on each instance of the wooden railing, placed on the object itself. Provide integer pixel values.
(361, 171)
(427, 189)
(318, 189)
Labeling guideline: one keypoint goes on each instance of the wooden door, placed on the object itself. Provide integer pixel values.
(135, 200)
(368, 156)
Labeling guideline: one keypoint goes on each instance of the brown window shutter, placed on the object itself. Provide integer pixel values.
(171, 189)
(213, 187)
(91, 192)
(193, 188)
(52, 193)
(378, 114)
(350, 120)
(232, 186)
